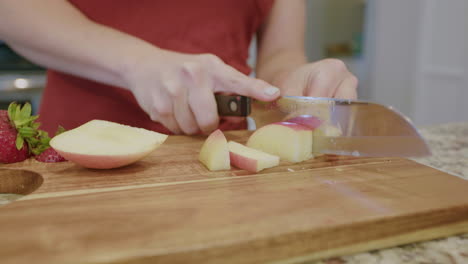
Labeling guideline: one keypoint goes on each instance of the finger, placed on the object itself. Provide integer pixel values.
(204, 108)
(162, 112)
(324, 84)
(229, 80)
(183, 114)
(200, 98)
(170, 123)
(347, 88)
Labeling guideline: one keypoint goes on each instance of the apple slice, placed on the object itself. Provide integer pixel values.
(214, 153)
(250, 159)
(320, 109)
(322, 135)
(310, 121)
(102, 144)
(328, 130)
(289, 141)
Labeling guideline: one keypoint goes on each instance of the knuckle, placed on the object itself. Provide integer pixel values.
(190, 67)
(210, 59)
(335, 64)
(354, 81)
(175, 91)
(163, 110)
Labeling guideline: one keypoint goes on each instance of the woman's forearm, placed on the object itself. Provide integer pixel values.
(281, 42)
(54, 34)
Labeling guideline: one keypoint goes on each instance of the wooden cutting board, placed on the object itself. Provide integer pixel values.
(168, 208)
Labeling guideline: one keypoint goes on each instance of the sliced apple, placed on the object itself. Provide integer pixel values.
(214, 153)
(328, 130)
(310, 121)
(102, 144)
(323, 136)
(320, 109)
(250, 159)
(289, 141)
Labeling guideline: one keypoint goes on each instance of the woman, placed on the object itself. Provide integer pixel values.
(157, 64)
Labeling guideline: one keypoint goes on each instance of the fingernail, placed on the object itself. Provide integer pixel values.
(271, 90)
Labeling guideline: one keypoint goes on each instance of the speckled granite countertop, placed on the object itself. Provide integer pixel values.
(449, 145)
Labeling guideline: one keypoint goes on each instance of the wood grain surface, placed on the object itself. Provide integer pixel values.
(168, 208)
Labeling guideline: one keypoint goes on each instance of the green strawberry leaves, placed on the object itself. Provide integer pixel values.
(19, 141)
(28, 129)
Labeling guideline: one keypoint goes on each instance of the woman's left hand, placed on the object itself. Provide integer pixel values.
(325, 78)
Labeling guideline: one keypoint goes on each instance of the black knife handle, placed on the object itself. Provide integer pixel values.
(233, 105)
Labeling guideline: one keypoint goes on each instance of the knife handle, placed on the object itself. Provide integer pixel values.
(233, 105)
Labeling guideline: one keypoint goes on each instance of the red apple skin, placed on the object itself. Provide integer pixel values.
(102, 161)
(242, 162)
(306, 120)
(292, 125)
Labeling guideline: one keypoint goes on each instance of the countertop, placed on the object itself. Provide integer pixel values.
(449, 146)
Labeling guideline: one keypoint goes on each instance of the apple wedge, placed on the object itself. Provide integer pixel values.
(328, 130)
(250, 159)
(290, 141)
(322, 135)
(214, 153)
(102, 144)
(310, 121)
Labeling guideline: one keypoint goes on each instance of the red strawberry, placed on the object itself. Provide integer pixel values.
(11, 149)
(9, 153)
(49, 155)
(4, 121)
(20, 136)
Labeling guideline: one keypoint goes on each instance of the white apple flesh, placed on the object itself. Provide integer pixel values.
(214, 153)
(102, 144)
(250, 159)
(322, 135)
(290, 141)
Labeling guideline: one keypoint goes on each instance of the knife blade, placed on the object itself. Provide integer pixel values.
(368, 129)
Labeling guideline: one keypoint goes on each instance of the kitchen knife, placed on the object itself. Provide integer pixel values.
(368, 129)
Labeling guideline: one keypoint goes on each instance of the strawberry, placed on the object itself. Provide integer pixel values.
(9, 153)
(49, 155)
(19, 134)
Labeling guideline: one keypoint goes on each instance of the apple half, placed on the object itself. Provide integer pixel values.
(100, 144)
(290, 141)
(250, 159)
(214, 153)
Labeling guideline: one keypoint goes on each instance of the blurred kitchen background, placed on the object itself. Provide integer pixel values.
(20, 80)
(412, 55)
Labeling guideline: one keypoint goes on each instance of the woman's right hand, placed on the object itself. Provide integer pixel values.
(178, 89)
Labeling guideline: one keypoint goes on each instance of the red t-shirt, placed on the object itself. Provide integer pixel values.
(221, 27)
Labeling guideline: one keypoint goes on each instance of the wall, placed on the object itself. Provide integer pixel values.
(417, 55)
(332, 22)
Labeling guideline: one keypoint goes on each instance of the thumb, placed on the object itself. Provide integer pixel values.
(234, 82)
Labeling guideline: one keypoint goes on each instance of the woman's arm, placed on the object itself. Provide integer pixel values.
(283, 63)
(281, 41)
(172, 88)
(53, 33)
